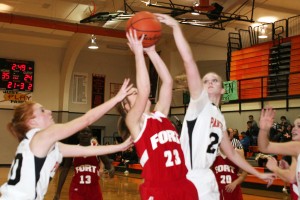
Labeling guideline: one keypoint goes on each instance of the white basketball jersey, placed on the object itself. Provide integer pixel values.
(29, 176)
(201, 134)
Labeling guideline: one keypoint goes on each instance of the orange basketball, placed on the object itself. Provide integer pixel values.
(145, 23)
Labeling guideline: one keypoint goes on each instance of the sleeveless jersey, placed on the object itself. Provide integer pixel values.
(86, 170)
(297, 191)
(201, 134)
(159, 150)
(85, 182)
(294, 194)
(29, 176)
(226, 172)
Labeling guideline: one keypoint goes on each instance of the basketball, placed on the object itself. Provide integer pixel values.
(145, 23)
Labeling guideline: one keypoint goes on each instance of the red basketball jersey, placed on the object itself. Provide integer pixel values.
(86, 170)
(159, 150)
(226, 172)
(293, 194)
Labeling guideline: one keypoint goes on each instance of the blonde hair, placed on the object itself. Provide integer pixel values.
(22, 114)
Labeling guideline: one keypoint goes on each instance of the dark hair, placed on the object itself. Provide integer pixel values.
(228, 132)
(22, 114)
(122, 127)
(283, 117)
(85, 130)
(250, 115)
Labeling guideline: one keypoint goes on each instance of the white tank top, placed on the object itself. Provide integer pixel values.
(29, 176)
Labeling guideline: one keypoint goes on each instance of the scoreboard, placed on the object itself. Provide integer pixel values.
(16, 75)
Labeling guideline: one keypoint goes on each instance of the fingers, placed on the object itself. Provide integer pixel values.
(270, 182)
(132, 36)
(271, 158)
(270, 178)
(129, 87)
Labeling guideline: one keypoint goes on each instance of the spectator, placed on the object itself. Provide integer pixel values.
(235, 142)
(286, 134)
(252, 134)
(129, 157)
(245, 141)
(284, 121)
(236, 134)
(254, 123)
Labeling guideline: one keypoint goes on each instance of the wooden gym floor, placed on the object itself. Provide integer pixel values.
(126, 188)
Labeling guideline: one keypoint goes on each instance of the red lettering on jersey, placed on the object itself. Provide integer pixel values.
(55, 167)
(215, 123)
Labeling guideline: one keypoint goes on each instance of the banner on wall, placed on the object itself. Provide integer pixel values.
(14, 97)
(98, 85)
(231, 91)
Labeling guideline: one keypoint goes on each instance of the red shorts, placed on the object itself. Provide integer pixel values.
(176, 190)
(293, 195)
(85, 192)
(236, 194)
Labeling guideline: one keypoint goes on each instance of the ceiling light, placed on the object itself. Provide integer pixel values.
(195, 13)
(267, 19)
(93, 44)
(262, 32)
(5, 7)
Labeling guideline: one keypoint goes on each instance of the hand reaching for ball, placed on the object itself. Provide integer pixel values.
(134, 43)
(145, 23)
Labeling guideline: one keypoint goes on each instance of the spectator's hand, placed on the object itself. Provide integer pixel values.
(230, 187)
(267, 118)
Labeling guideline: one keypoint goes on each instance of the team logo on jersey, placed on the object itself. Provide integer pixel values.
(163, 137)
(224, 168)
(215, 123)
(86, 168)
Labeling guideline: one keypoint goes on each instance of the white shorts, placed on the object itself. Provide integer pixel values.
(205, 182)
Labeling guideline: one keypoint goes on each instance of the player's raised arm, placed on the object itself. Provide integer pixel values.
(191, 69)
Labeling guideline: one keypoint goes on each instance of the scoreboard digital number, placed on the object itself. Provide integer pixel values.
(16, 75)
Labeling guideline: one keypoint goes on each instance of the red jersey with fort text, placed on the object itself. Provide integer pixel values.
(159, 150)
(86, 170)
(226, 172)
